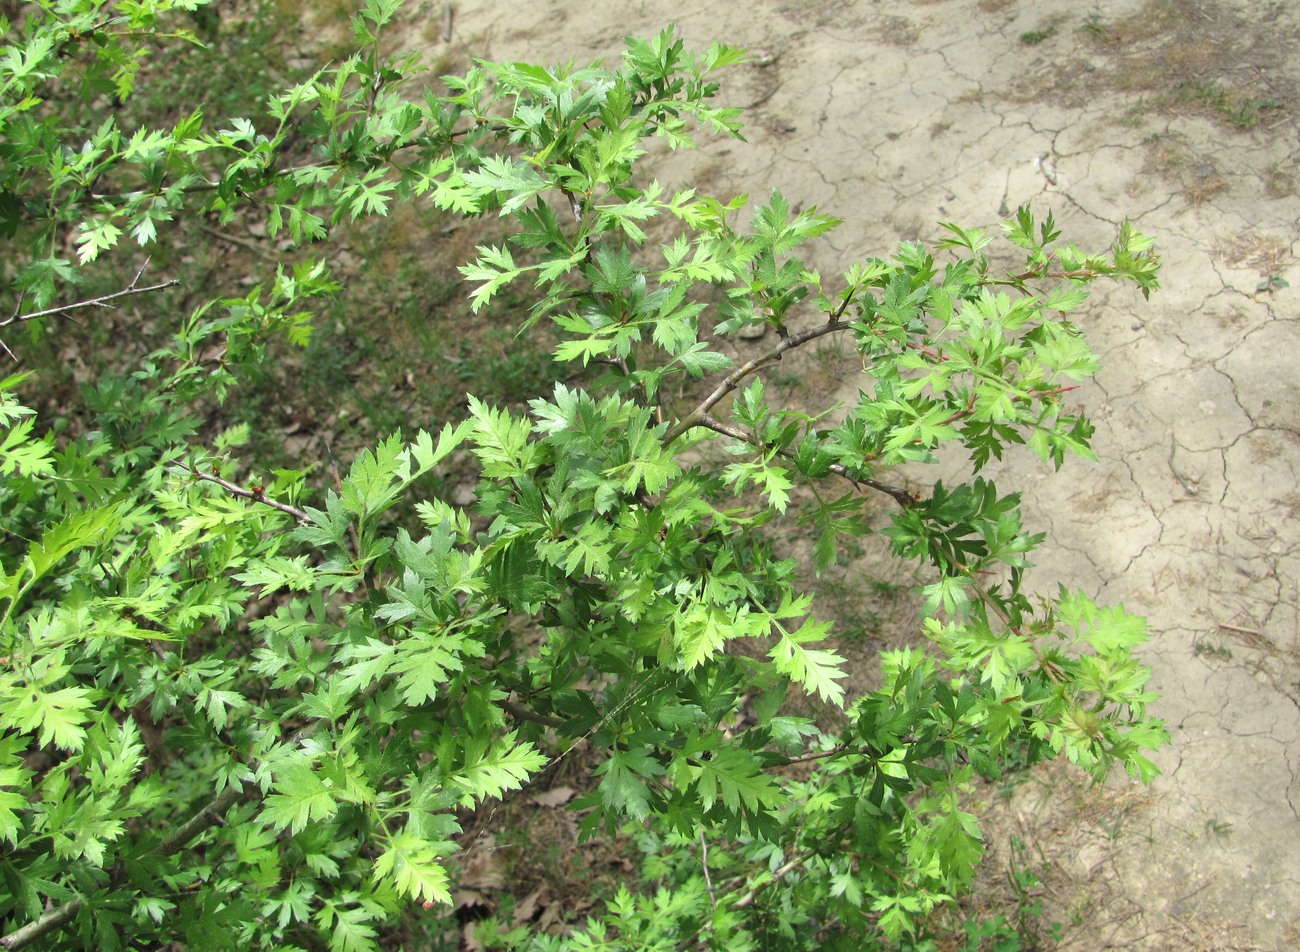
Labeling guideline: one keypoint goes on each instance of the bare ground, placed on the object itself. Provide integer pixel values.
(1181, 115)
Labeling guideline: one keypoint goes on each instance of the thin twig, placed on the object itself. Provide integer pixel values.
(733, 379)
(1018, 280)
(849, 298)
(519, 712)
(256, 495)
(814, 755)
(575, 206)
(93, 302)
(747, 900)
(18, 305)
(704, 864)
(54, 919)
(709, 421)
(900, 495)
(237, 240)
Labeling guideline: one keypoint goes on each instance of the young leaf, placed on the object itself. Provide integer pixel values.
(816, 669)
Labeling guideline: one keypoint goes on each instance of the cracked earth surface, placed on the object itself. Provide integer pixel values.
(1182, 116)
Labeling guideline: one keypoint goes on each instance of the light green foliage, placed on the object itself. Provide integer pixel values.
(256, 713)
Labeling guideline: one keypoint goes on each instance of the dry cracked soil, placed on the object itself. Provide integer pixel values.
(1182, 116)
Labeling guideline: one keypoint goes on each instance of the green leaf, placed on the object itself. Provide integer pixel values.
(1115, 630)
(585, 349)
(972, 239)
(277, 572)
(381, 12)
(422, 455)
(699, 360)
(1065, 298)
(514, 183)
(589, 551)
(10, 824)
(622, 786)
(817, 670)
(772, 221)
(948, 594)
(423, 666)
(350, 929)
(1110, 629)
(825, 548)
(412, 864)
(21, 454)
(59, 715)
(501, 442)
(369, 196)
(95, 237)
(41, 279)
(506, 767)
(650, 467)
(736, 777)
(699, 633)
(69, 534)
(955, 835)
(495, 267)
(372, 483)
(301, 797)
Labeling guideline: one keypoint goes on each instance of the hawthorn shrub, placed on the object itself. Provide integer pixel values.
(257, 711)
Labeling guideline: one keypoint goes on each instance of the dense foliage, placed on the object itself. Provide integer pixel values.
(256, 711)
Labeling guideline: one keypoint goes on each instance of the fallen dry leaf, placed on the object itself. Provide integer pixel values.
(555, 797)
(526, 908)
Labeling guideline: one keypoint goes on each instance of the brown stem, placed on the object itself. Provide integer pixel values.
(747, 900)
(102, 301)
(900, 495)
(704, 865)
(260, 250)
(1018, 280)
(256, 495)
(814, 755)
(732, 380)
(519, 712)
(54, 919)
